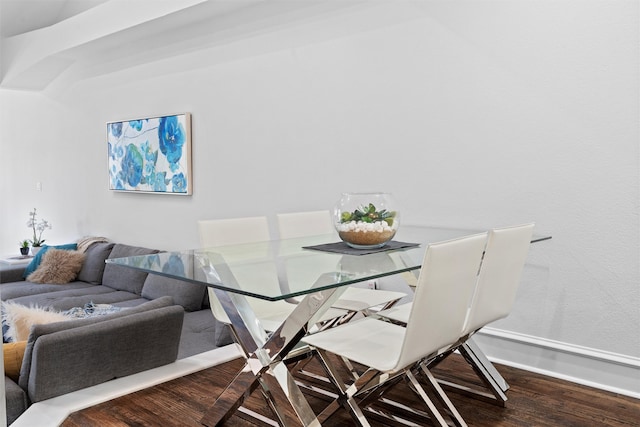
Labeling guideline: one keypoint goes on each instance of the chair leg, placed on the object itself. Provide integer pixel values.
(471, 348)
(347, 393)
(440, 394)
(484, 370)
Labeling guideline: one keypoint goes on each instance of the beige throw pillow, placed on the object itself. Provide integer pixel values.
(58, 266)
(19, 319)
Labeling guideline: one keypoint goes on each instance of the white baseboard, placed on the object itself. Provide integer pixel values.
(595, 368)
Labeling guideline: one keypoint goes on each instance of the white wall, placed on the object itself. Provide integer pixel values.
(474, 114)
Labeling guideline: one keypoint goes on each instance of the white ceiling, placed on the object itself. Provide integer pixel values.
(58, 42)
(22, 16)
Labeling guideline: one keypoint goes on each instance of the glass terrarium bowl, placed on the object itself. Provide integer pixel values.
(366, 220)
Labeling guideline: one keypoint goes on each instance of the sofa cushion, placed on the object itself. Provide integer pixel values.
(39, 330)
(132, 302)
(23, 289)
(66, 300)
(37, 259)
(198, 333)
(58, 267)
(93, 266)
(125, 278)
(188, 295)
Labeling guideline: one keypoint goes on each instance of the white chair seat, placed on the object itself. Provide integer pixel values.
(367, 341)
(397, 313)
(271, 322)
(359, 299)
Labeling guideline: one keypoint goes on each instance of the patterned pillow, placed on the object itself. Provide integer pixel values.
(58, 266)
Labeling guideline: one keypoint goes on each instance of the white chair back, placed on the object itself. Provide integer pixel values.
(445, 286)
(502, 266)
(233, 231)
(237, 231)
(303, 224)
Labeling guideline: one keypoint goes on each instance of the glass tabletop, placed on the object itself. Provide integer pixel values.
(281, 269)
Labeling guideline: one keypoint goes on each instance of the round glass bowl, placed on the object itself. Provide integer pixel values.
(366, 220)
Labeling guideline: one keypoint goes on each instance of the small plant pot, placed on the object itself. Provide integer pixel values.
(24, 251)
(35, 250)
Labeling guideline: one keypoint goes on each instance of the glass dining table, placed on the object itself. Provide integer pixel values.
(293, 270)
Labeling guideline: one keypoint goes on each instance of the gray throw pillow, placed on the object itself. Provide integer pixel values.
(188, 295)
(125, 278)
(93, 266)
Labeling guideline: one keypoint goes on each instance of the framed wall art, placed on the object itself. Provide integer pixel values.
(151, 155)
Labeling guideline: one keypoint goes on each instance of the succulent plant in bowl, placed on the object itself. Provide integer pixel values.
(366, 220)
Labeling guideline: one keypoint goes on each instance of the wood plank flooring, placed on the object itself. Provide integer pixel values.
(534, 400)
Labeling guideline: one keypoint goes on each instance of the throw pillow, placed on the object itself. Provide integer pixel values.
(94, 262)
(20, 318)
(122, 278)
(37, 259)
(188, 295)
(58, 266)
(13, 355)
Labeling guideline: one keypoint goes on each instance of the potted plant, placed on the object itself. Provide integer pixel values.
(38, 229)
(24, 247)
(366, 220)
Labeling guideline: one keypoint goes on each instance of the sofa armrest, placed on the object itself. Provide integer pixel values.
(11, 273)
(16, 399)
(73, 359)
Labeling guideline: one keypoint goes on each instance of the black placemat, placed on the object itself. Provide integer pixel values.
(343, 248)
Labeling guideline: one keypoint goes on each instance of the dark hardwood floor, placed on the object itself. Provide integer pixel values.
(534, 400)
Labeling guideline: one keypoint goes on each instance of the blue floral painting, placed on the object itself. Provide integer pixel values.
(151, 155)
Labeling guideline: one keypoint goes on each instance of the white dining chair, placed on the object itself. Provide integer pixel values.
(238, 231)
(496, 298)
(392, 352)
(302, 224)
(500, 274)
(312, 223)
(250, 230)
(493, 299)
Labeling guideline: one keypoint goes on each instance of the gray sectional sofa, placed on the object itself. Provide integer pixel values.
(164, 320)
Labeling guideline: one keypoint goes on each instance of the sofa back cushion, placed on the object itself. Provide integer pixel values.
(188, 295)
(125, 278)
(93, 267)
(67, 326)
